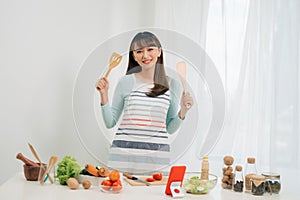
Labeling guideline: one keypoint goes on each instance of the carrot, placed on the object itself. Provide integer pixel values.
(91, 169)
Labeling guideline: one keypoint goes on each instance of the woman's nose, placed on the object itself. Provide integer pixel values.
(145, 54)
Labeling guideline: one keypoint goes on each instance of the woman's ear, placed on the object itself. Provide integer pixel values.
(159, 52)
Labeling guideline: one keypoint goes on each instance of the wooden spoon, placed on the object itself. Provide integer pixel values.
(53, 161)
(46, 174)
(181, 70)
(114, 60)
(35, 153)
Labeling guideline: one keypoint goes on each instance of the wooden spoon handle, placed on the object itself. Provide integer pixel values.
(20, 156)
(107, 73)
(34, 153)
(46, 175)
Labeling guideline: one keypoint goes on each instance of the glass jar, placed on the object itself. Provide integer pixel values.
(258, 185)
(238, 184)
(249, 172)
(273, 183)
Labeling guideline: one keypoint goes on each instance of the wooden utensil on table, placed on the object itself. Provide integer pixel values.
(181, 70)
(114, 61)
(46, 175)
(20, 156)
(35, 153)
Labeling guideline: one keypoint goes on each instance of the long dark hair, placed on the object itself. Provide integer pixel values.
(147, 39)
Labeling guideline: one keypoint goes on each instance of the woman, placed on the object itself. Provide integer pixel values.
(149, 100)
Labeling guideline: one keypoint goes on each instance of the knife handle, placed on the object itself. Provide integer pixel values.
(127, 175)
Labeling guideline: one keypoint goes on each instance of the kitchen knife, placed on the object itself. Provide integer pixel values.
(129, 176)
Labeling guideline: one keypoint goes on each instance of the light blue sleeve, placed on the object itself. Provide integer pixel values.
(173, 121)
(111, 114)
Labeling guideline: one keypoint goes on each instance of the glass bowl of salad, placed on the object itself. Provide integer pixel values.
(193, 183)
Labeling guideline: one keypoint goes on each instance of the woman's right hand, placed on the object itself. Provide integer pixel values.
(102, 86)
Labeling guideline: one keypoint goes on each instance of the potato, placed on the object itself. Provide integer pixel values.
(73, 183)
(86, 184)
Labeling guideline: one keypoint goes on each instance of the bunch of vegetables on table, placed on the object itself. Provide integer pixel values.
(69, 169)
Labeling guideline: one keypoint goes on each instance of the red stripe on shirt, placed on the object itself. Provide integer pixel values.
(143, 120)
(143, 125)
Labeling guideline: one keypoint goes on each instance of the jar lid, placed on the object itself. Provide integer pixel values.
(258, 179)
(270, 175)
(238, 168)
(251, 160)
(228, 160)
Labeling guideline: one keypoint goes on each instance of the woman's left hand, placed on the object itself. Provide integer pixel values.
(186, 103)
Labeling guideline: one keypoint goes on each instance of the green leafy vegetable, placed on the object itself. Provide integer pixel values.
(67, 168)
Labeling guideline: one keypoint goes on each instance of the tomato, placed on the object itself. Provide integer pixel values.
(117, 186)
(114, 175)
(117, 183)
(107, 184)
(157, 176)
(150, 179)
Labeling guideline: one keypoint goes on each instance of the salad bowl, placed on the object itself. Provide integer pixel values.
(193, 184)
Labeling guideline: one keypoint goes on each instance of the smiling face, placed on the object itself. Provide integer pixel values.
(145, 51)
(146, 57)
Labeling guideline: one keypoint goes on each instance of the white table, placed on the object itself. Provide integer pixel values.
(18, 188)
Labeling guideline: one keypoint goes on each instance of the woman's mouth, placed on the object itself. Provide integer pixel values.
(148, 61)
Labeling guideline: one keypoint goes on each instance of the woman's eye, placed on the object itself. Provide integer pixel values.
(150, 49)
(138, 52)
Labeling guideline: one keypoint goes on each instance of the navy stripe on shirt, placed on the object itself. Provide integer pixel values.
(140, 145)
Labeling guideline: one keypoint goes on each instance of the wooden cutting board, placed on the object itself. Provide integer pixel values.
(143, 178)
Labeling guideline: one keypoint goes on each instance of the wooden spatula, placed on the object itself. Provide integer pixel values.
(181, 70)
(114, 60)
(46, 174)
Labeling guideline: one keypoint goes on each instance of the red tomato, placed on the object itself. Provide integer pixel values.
(117, 186)
(157, 176)
(114, 175)
(150, 179)
(107, 184)
(117, 183)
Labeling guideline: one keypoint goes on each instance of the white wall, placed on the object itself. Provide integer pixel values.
(43, 44)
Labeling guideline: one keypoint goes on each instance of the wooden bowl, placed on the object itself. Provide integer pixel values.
(32, 173)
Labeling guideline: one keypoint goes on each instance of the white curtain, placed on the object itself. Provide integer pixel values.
(262, 84)
(255, 46)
